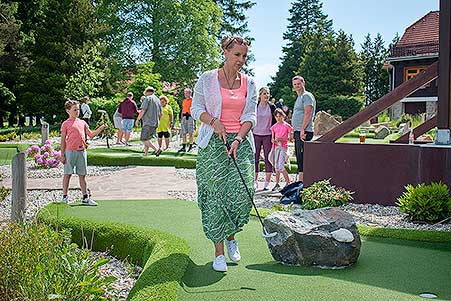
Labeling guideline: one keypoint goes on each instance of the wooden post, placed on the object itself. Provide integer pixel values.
(44, 132)
(444, 94)
(19, 187)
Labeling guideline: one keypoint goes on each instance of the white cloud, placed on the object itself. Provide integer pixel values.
(263, 74)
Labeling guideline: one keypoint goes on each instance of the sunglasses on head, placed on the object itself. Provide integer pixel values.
(237, 40)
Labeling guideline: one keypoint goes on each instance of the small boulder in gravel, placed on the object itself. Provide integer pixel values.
(325, 237)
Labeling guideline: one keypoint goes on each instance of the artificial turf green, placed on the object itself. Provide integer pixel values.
(388, 269)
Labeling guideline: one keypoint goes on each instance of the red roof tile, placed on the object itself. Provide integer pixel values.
(425, 30)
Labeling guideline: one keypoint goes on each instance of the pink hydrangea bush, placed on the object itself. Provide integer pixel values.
(45, 156)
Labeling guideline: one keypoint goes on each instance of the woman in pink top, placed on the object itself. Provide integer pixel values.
(282, 132)
(225, 102)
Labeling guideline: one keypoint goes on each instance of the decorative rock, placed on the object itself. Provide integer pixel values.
(324, 122)
(381, 132)
(325, 237)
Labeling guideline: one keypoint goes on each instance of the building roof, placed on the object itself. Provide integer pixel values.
(420, 38)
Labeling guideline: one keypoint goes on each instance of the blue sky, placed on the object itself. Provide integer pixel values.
(268, 22)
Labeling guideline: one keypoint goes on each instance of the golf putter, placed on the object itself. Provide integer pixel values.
(265, 233)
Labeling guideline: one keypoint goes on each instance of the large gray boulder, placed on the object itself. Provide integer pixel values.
(325, 237)
(324, 122)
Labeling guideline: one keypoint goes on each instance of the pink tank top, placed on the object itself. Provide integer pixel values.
(233, 102)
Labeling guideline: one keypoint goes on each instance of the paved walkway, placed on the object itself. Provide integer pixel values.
(134, 183)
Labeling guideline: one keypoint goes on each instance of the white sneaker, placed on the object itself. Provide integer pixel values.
(232, 250)
(65, 200)
(219, 264)
(89, 202)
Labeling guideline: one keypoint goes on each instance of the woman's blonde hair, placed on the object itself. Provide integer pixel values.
(262, 89)
(163, 97)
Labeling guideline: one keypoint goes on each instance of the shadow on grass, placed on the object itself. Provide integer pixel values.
(404, 266)
(197, 276)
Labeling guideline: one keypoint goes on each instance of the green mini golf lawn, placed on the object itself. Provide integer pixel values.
(388, 269)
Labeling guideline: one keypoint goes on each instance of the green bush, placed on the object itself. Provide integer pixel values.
(112, 159)
(164, 257)
(101, 103)
(323, 194)
(344, 106)
(428, 203)
(38, 263)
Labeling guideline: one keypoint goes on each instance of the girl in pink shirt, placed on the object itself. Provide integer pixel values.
(282, 132)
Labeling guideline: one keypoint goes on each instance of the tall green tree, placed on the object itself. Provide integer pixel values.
(306, 19)
(57, 54)
(179, 36)
(10, 44)
(88, 79)
(373, 55)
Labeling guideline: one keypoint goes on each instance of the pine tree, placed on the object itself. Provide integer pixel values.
(306, 19)
(373, 56)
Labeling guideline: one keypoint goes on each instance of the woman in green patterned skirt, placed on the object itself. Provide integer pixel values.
(225, 101)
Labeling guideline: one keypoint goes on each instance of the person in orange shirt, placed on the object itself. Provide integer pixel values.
(73, 150)
(188, 125)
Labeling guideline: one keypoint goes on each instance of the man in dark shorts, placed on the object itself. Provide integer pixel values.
(302, 120)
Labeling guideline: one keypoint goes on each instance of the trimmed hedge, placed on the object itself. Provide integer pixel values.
(125, 157)
(115, 159)
(164, 257)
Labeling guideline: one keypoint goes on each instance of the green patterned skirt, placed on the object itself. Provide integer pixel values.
(222, 198)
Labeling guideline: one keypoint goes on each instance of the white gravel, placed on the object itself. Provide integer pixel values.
(125, 273)
(33, 172)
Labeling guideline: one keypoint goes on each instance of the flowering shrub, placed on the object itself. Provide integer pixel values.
(45, 156)
(323, 194)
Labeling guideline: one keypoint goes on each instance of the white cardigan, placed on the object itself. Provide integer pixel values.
(207, 98)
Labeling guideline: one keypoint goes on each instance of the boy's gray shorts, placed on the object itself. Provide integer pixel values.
(76, 162)
(188, 126)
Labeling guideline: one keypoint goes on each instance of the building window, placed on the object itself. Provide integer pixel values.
(410, 72)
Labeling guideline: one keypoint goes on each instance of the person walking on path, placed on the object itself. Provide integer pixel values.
(302, 120)
(262, 134)
(225, 101)
(281, 133)
(188, 126)
(128, 109)
(73, 150)
(164, 129)
(150, 115)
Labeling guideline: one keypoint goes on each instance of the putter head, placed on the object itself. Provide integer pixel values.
(268, 235)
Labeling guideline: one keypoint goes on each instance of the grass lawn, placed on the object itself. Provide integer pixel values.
(7, 154)
(388, 269)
